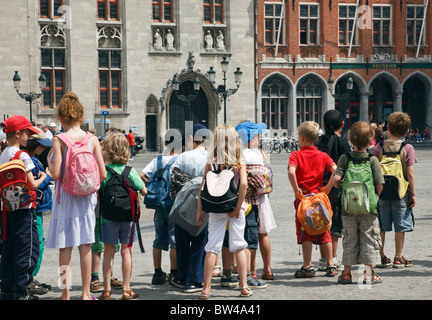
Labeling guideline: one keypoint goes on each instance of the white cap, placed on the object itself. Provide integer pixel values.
(53, 124)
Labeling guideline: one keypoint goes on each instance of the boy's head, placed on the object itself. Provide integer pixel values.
(333, 121)
(308, 132)
(361, 134)
(115, 148)
(19, 127)
(399, 123)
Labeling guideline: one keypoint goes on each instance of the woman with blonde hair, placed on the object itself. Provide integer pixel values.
(224, 152)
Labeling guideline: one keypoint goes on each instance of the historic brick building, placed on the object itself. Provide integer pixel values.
(305, 48)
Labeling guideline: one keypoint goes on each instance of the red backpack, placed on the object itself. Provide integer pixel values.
(15, 191)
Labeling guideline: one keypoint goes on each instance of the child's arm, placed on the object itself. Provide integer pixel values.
(200, 215)
(378, 188)
(241, 192)
(143, 191)
(97, 150)
(411, 180)
(54, 165)
(293, 179)
(35, 183)
(144, 177)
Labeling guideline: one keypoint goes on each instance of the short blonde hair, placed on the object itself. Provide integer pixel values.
(116, 148)
(361, 134)
(225, 147)
(309, 130)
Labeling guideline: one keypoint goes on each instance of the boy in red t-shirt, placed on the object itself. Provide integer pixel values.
(306, 172)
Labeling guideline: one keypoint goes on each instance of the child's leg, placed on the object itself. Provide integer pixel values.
(86, 265)
(265, 249)
(209, 263)
(65, 271)
(126, 255)
(241, 260)
(107, 265)
(307, 254)
(327, 250)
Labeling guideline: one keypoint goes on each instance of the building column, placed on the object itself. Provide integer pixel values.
(364, 106)
(397, 101)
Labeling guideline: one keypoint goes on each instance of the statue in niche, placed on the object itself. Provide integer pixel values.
(157, 40)
(190, 61)
(220, 41)
(209, 41)
(169, 41)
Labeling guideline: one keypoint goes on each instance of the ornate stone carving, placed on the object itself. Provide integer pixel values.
(109, 37)
(51, 35)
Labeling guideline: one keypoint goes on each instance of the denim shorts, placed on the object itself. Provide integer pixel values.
(164, 231)
(396, 212)
(114, 231)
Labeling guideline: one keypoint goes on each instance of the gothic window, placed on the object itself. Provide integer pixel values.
(53, 63)
(309, 101)
(274, 103)
(414, 24)
(108, 10)
(213, 11)
(163, 10)
(50, 8)
(346, 23)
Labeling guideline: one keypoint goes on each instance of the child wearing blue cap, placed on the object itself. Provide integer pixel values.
(248, 133)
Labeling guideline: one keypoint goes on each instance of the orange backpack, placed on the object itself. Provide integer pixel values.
(314, 212)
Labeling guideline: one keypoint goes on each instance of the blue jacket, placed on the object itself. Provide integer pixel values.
(44, 187)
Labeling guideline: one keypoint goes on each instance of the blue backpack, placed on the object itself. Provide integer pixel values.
(159, 187)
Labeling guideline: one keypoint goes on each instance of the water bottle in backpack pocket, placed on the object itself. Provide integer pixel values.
(358, 189)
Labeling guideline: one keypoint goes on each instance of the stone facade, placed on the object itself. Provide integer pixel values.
(146, 69)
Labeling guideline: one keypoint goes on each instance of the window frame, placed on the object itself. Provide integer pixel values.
(52, 13)
(381, 21)
(107, 4)
(212, 5)
(308, 28)
(348, 29)
(414, 31)
(275, 90)
(274, 20)
(163, 4)
(109, 71)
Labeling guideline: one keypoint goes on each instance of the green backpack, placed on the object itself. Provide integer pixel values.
(358, 190)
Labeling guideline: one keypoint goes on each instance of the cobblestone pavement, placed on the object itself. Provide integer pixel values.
(413, 283)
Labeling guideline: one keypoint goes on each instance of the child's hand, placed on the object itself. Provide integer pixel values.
(42, 175)
(412, 201)
(200, 218)
(234, 214)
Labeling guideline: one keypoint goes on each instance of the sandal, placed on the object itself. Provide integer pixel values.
(372, 280)
(305, 272)
(129, 294)
(216, 271)
(246, 292)
(345, 279)
(401, 262)
(205, 295)
(331, 271)
(267, 275)
(34, 287)
(106, 295)
(385, 262)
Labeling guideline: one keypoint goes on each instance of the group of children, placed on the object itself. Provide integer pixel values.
(320, 165)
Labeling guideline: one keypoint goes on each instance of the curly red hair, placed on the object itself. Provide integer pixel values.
(70, 109)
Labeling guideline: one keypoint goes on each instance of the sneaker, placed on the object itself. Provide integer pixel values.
(195, 287)
(229, 281)
(253, 283)
(338, 264)
(116, 284)
(322, 264)
(160, 278)
(96, 286)
(178, 283)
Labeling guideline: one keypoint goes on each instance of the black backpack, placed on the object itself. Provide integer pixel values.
(119, 200)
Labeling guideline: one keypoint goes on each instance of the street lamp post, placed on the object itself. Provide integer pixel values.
(221, 89)
(29, 97)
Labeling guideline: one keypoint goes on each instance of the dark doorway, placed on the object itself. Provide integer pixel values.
(414, 103)
(151, 144)
(187, 105)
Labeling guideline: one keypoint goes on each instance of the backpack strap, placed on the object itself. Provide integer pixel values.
(18, 154)
(350, 158)
(394, 153)
(65, 138)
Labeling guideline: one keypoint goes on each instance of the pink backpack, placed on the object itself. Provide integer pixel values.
(81, 172)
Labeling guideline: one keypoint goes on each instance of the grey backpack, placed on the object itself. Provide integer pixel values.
(184, 209)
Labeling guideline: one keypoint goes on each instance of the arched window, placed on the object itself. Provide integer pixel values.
(274, 103)
(309, 100)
